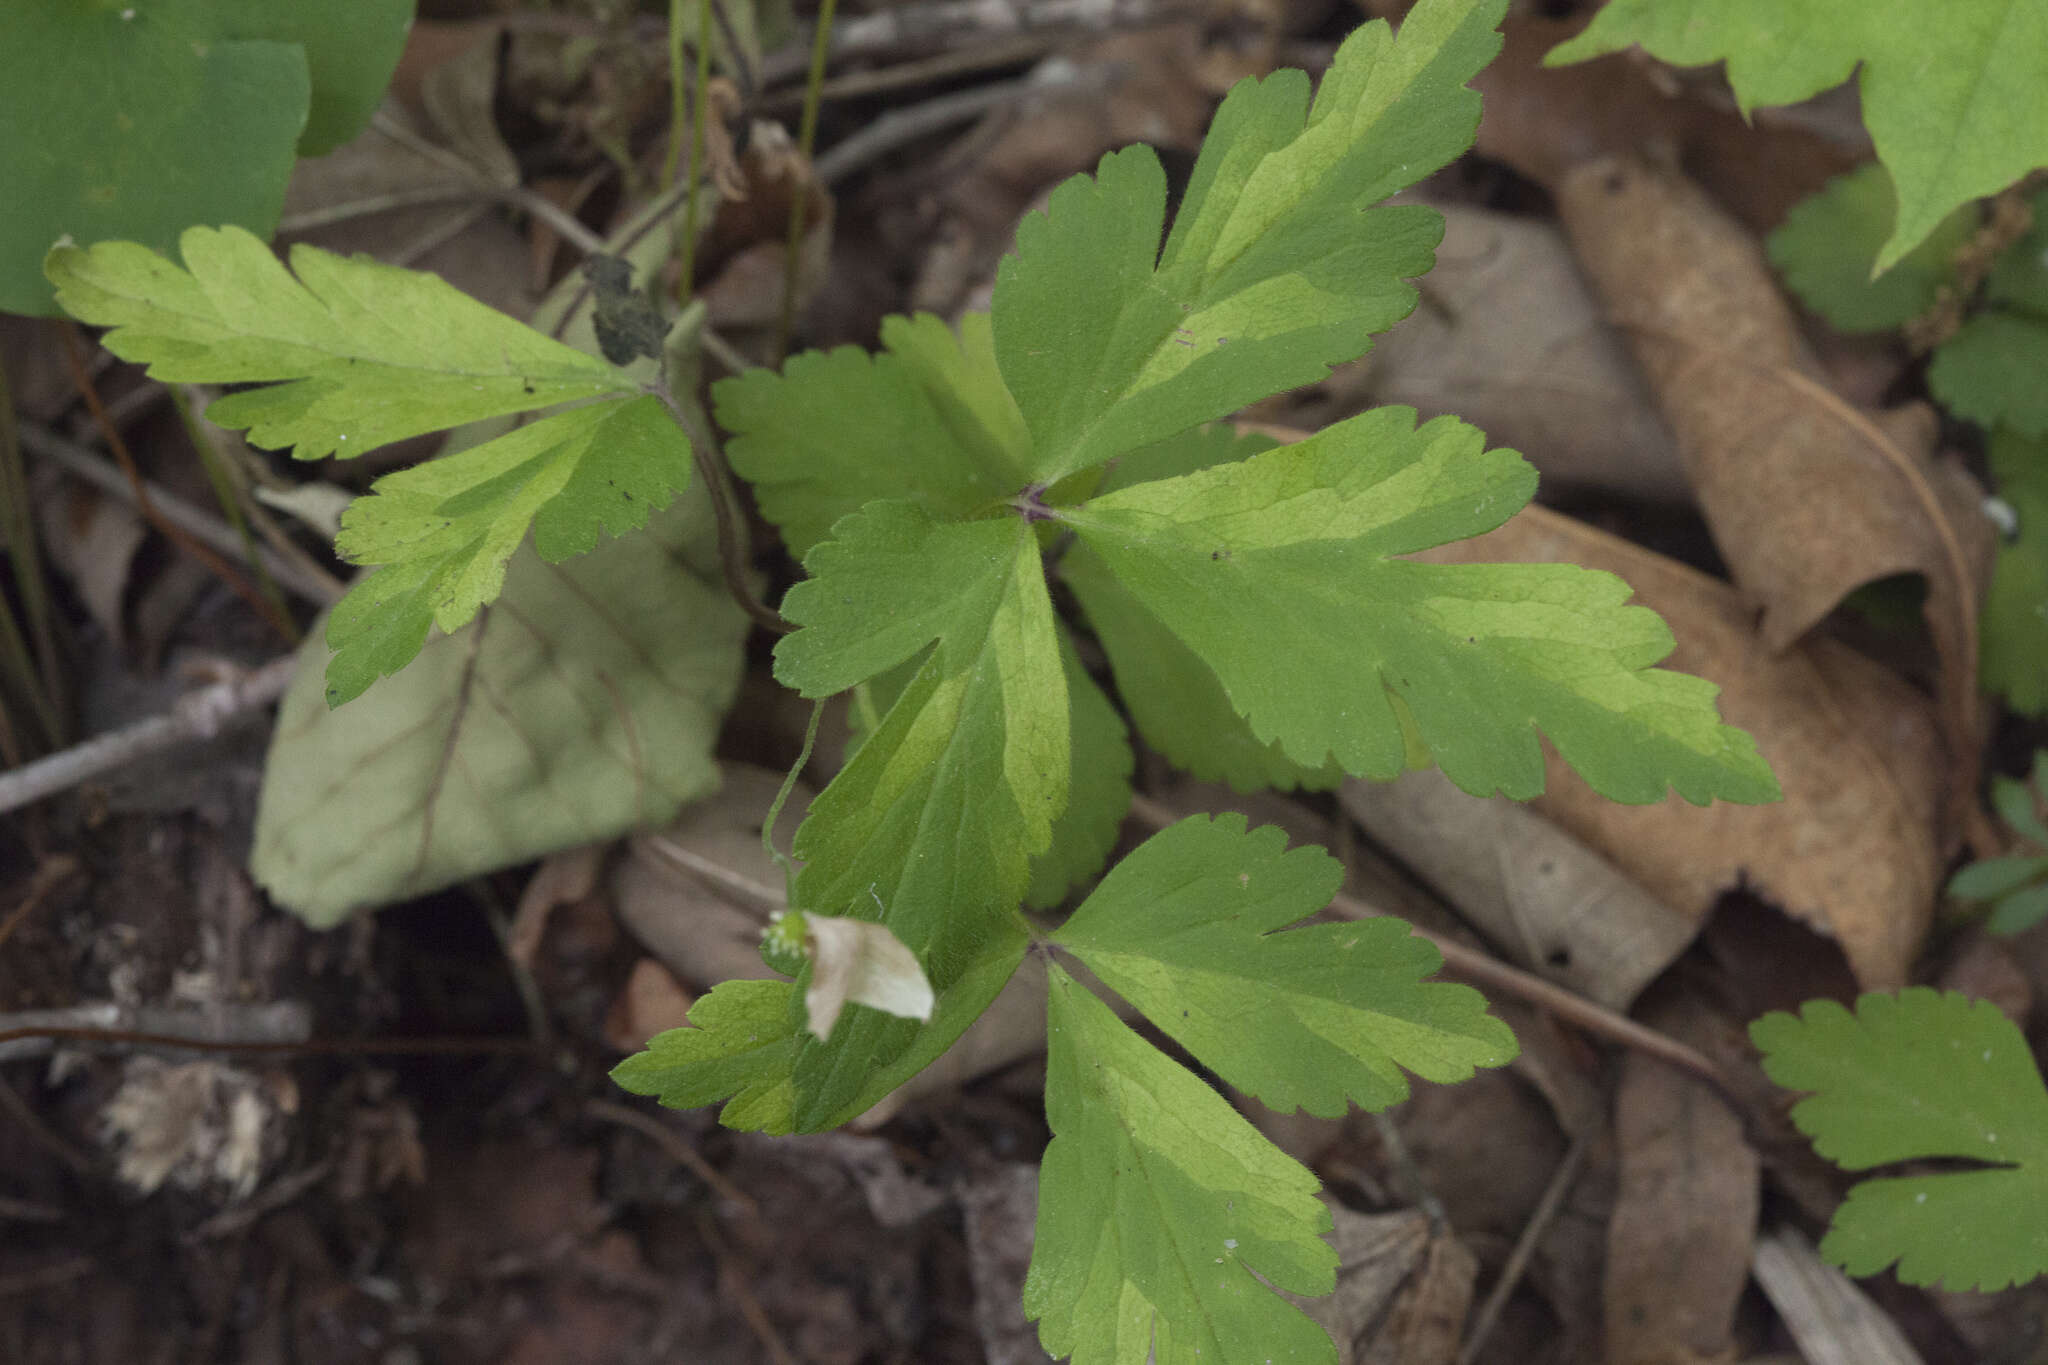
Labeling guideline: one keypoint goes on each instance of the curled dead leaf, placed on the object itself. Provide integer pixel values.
(1807, 495)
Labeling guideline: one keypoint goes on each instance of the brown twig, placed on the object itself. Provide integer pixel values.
(741, 1293)
(52, 873)
(198, 715)
(74, 355)
(657, 1132)
(1561, 1181)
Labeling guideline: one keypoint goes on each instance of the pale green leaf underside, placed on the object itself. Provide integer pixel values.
(1189, 929)
(1278, 573)
(1278, 266)
(926, 418)
(356, 354)
(447, 527)
(1955, 96)
(1917, 1075)
(1161, 1210)
(595, 698)
(1829, 241)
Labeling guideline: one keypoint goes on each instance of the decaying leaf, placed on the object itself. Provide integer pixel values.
(1404, 1284)
(854, 962)
(585, 704)
(1852, 849)
(1509, 338)
(1678, 1244)
(1808, 496)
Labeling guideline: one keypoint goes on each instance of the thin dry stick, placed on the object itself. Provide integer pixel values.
(665, 1138)
(1561, 1181)
(900, 126)
(198, 715)
(53, 872)
(74, 354)
(1483, 969)
(309, 581)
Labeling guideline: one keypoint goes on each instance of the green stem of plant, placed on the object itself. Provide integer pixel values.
(731, 549)
(686, 284)
(228, 495)
(803, 759)
(806, 138)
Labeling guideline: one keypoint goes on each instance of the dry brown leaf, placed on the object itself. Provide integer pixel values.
(1403, 1287)
(1546, 121)
(652, 1001)
(999, 1214)
(1509, 338)
(744, 253)
(562, 878)
(1808, 496)
(92, 539)
(1678, 1245)
(1851, 850)
(1547, 899)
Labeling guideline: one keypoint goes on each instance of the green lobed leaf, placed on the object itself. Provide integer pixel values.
(1828, 243)
(1098, 790)
(1279, 573)
(2013, 630)
(1955, 98)
(2019, 911)
(1277, 267)
(927, 419)
(448, 526)
(585, 704)
(1176, 700)
(1165, 1220)
(1990, 372)
(933, 823)
(1192, 928)
(2014, 802)
(356, 354)
(1913, 1076)
(1989, 878)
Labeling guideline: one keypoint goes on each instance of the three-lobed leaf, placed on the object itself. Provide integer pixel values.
(1908, 1077)
(1828, 243)
(1165, 1220)
(1278, 265)
(1281, 573)
(1193, 929)
(1955, 97)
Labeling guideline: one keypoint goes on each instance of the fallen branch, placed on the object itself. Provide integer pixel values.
(197, 716)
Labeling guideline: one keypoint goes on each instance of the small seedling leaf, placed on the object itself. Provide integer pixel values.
(1829, 241)
(1912, 1076)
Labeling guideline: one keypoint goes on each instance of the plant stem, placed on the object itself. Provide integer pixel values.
(731, 553)
(806, 138)
(686, 284)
